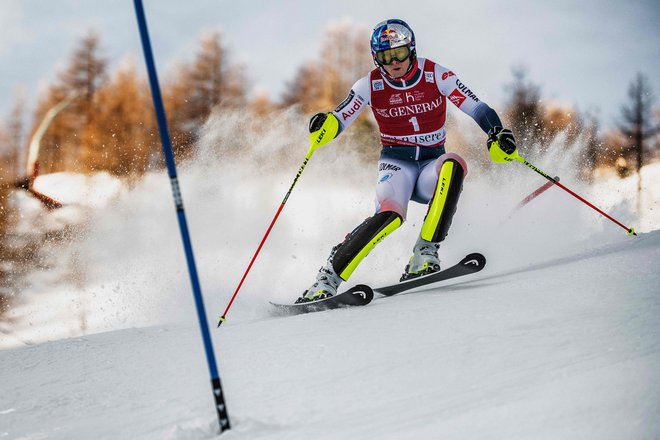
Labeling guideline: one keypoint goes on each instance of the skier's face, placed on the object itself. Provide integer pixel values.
(397, 69)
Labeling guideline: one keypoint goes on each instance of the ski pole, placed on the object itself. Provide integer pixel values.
(317, 139)
(555, 181)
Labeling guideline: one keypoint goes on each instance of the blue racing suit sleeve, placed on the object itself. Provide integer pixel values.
(486, 117)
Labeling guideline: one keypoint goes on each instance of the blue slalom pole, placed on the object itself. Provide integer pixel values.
(221, 408)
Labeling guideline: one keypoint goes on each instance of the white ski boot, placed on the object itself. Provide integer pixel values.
(424, 260)
(327, 282)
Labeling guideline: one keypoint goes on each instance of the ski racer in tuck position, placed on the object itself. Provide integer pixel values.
(408, 96)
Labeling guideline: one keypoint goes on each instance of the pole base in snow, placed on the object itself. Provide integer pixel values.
(223, 417)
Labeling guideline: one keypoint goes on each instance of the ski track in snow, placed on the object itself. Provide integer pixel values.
(558, 337)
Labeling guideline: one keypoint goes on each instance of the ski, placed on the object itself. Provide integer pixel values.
(472, 263)
(359, 295)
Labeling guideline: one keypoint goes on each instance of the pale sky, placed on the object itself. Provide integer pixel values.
(583, 53)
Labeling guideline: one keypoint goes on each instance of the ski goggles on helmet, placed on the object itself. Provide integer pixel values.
(386, 57)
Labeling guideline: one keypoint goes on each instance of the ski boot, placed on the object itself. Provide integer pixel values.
(325, 286)
(424, 260)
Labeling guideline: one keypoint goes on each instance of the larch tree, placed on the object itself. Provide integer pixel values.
(209, 82)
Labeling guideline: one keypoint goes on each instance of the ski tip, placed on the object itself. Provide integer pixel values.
(363, 291)
(476, 259)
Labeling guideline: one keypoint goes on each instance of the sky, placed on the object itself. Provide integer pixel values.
(580, 53)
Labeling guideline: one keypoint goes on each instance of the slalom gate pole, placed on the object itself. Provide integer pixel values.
(223, 317)
(555, 181)
(221, 409)
(534, 194)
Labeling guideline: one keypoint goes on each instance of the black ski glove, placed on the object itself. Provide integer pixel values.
(317, 121)
(501, 144)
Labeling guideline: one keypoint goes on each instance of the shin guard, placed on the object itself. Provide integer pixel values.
(362, 240)
(444, 202)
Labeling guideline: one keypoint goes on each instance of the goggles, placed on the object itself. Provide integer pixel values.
(386, 57)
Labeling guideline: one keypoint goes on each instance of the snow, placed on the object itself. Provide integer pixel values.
(95, 190)
(558, 337)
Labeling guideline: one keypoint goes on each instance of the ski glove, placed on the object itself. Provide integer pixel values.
(501, 144)
(323, 127)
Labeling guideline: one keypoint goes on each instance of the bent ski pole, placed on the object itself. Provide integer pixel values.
(317, 139)
(522, 160)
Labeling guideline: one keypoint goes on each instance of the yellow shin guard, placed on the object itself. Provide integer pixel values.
(443, 205)
(362, 240)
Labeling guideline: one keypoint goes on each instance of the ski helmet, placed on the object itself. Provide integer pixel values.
(390, 34)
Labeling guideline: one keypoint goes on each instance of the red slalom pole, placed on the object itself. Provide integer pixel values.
(522, 160)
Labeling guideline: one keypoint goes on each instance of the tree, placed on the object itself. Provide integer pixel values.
(210, 81)
(556, 119)
(346, 56)
(539, 124)
(6, 224)
(16, 134)
(593, 145)
(86, 72)
(636, 124)
(124, 125)
(322, 83)
(69, 141)
(260, 104)
(14, 254)
(524, 109)
(304, 89)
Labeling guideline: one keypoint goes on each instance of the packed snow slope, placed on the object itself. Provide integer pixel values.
(558, 337)
(568, 348)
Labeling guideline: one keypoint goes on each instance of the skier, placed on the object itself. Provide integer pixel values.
(408, 96)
